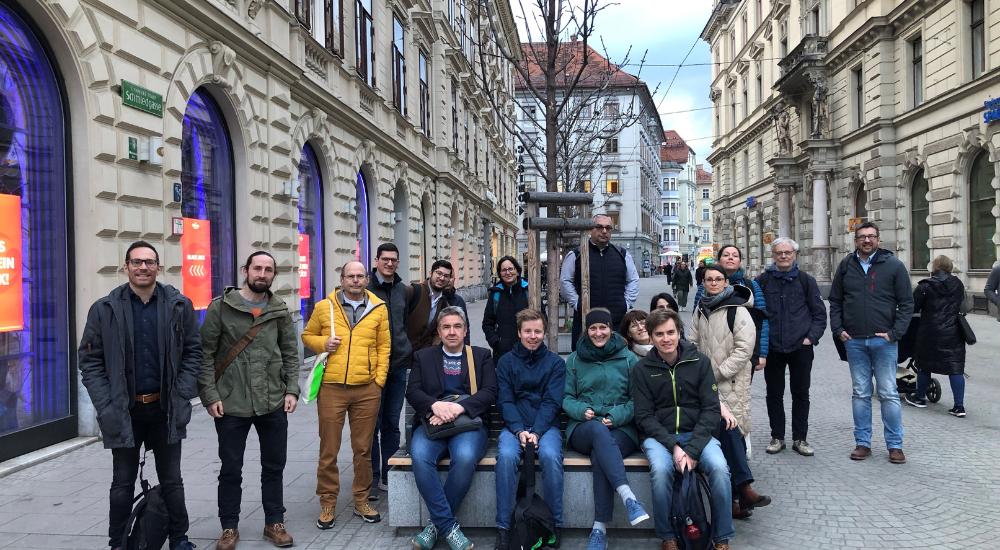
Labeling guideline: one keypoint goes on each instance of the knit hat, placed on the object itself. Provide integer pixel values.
(598, 315)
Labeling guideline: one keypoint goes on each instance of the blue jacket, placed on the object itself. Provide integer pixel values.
(530, 387)
(795, 308)
(759, 302)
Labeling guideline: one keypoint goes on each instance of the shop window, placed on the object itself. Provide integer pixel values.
(311, 273)
(982, 223)
(362, 244)
(919, 229)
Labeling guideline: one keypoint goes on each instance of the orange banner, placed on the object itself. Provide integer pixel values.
(11, 284)
(304, 290)
(196, 266)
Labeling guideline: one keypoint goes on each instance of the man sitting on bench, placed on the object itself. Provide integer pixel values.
(676, 410)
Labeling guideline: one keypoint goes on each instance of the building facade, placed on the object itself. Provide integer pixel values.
(682, 233)
(315, 130)
(703, 205)
(830, 113)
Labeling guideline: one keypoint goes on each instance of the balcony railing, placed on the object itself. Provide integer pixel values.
(670, 194)
(812, 49)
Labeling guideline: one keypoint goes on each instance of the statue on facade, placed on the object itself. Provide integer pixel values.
(782, 127)
(820, 108)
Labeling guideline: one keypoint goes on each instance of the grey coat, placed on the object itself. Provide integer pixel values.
(107, 363)
(866, 303)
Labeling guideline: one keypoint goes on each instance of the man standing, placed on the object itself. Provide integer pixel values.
(429, 298)
(391, 289)
(993, 288)
(797, 320)
(251, 358)
(352, 325)
(139, 359)
(668, 270)
(681, 285)
(870, 307)
(614, 281)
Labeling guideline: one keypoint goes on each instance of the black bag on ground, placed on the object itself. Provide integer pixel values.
(147, 525)
(532, 525)
(689, 517)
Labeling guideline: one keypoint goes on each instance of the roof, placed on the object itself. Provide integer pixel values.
(570, 58)
(703, 176)
(674, 148)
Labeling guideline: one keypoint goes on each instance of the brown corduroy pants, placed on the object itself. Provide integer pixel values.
(360, 404)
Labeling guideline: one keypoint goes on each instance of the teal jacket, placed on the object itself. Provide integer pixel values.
(598, 379)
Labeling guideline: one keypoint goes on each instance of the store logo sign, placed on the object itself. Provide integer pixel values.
(991, 113)
(196, 266)
(11, 286)
(146, 100)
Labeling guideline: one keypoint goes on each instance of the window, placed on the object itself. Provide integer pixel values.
(760, 159)
(704, 234)
(978, 32)
(917, 70)
(759, 12)
(303, 12)
(615, 222)
(783, 38)
(333, 11)
(858, 96)
(919, 229)
(611, 145)
(362, 244)
(745, 28)
(611, 109)
(398, 66)
(760, 87)
(454, 116)
(982, 224)
(364, 41)
(704, 216)
(861, 203)
(475, 144)
(814, 20)
(704, 193)
(746, 93)
(611, 186)
(732, 107)
(732, 45)
(425, 94)
(746, 167)
(465, 110)
(310, 249)
(585, 186)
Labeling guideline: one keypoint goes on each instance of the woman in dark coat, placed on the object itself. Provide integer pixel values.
(505, 299)
(940, 346)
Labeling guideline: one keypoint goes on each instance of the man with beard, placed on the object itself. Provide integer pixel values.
(429, 298)
(249, 377)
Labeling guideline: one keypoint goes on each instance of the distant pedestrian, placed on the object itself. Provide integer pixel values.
(633, 330)
(699, 275)
(504, 300)
(681, 285)
(139, 358)
(992, 289)
(797, 320)
(663, 301)
(614, 281)
(668, 270)
(870, 308)
(940, 345)
(250, 378)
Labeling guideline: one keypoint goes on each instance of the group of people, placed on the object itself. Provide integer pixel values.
(636, 380)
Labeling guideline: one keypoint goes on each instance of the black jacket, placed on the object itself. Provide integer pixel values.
(795, 308)
(107, 363)
(425, 386)
(940, 346)
(395, 294)
(669, 402)
(865, 303)
(682, 280)
(499, 324)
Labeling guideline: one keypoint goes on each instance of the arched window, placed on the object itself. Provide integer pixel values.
(207, 201)
(982, 224)
(35, 347)
(311, 270)
(919, 229)
(362, 247)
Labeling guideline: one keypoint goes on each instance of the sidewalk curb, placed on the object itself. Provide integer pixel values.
(42, 455)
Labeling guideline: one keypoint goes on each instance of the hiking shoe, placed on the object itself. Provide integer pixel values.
(367, 513)
(636, 513)
(457, 540)
(775, 447)
(958, 411)
(912, 399)
(326, 518)
(896, 456)
(861, 452)
(426, 539)
(228, 539)
(803, 447)
(278, 535)
(503, 539)
(669, 545)
(722, 545)
(598, 540)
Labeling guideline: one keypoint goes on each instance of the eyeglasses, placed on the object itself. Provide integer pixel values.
(866, 238)
(600, 227)
(783, 253)
(137, 262)
(508, 270)
(442, 274)
(638, 325)
(389, 260)
(714, 279)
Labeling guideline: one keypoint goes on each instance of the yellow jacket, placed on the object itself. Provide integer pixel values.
(363, 354)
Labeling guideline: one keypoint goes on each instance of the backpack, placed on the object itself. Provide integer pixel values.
(532, 525)
(146, 528)
(758, 316)
(689, 516)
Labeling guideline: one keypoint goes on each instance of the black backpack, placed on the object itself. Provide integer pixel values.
(758, 316)
(532, 525)
(689, 517)
(146, 528)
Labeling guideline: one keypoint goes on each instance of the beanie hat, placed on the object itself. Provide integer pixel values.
(598, 316)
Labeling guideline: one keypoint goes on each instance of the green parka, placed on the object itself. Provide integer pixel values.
(598, 379)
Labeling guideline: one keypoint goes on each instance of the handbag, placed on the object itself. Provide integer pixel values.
(963, 326)
(464, 422)
(314, 379)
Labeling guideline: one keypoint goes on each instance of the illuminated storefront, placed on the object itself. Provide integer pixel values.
(311, 271)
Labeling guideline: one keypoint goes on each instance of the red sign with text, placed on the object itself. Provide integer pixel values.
(304, 291)
(11, 283)
(196, 265)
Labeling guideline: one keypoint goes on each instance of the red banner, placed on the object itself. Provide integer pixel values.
(304, 290)
(11, 284)
(196, 266)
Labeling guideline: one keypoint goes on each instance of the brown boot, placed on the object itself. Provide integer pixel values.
(750, 499)
(228, 539)
(669, 545)
(722, 546)
(276, 533)
(739, 512)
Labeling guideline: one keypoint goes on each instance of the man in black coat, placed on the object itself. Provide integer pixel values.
(139, 357)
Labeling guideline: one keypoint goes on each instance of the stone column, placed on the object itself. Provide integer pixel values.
(821, 227)
(784, 211)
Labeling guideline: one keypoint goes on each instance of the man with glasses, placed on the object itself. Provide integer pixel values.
(139, 360)
(871, 302)
(429, 298)
(614, 280)
(797, 320)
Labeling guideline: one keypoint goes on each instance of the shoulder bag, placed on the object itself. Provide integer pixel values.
(464, 422)
(963, 326)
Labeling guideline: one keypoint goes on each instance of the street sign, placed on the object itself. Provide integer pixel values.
(143, 99)
(133, 148)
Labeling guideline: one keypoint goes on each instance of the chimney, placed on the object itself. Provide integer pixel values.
(572, 37)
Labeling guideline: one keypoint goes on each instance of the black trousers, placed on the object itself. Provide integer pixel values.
(272, 431)
(799, 363)
(149, 425)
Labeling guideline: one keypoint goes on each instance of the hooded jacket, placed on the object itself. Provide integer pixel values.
(530, 388)
(598, 379)
(865, 303)
(683, 399)
(729, 350)
(940, 346)
(363, 354)
(499, 318)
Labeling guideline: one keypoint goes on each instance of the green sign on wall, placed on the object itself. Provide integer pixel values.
(137, 97)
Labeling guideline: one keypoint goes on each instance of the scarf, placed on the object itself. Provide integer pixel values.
(641, 349)
(790, 275)
(587, 352)
(708, 303)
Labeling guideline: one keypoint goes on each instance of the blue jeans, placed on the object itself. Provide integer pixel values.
(734, 448)
(605, 447)
(712, 464)
(465, 451)
(509, 459)
(385, 442)
(874, 358)
(957, 382)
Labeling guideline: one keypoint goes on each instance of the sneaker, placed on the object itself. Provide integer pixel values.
(457, 540)
(958, 411)
(636, 513)
(775, 447)
(326, 518)
(383, 486)
(278, 535)
(598, 539)
(555, 541)
(803, 447)
(426, 539)
(367, 513)
(228, 539)
(912, 399)
(503, 539)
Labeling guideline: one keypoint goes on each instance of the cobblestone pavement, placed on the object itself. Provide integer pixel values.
(946, 496)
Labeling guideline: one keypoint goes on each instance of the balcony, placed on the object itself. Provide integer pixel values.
(802, 64)
(670, 220)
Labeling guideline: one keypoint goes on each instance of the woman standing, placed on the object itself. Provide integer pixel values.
(730, 350)
(506, 298)
(682, 283)
(663, 300)
(599, 406)
(940, 345)
(633, 330)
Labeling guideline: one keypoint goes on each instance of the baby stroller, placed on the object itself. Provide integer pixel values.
(906, 376)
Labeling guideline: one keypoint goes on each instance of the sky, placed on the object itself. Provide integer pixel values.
(663, 31)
